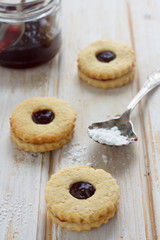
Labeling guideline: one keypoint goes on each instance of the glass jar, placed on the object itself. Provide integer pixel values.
(30, 32)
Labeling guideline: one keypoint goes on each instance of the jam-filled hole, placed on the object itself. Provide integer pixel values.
(82, 190)
(106, 56)
(43, 116)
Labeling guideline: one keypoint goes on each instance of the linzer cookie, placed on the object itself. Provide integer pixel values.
(42, 124)
(81, 198)
(106, 64)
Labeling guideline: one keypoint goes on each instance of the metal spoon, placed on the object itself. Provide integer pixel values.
(10, 34)
(123, 123)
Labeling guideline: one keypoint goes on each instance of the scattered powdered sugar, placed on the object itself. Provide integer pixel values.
(105, 159)
(109, 136)
(77, 154)
(15, 210)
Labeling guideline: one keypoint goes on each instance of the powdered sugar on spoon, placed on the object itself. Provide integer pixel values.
(109, 136)
(119, 131)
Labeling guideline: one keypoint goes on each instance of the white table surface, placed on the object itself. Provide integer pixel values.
(136, 167)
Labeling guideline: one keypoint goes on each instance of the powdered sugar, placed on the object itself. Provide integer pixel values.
(105, 159)
(76, 153)
(109, 136)
(14, 210)
(81, 154)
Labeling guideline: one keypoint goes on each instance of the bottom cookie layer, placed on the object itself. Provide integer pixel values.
(110, 83)
(82, 227)
(28, 147)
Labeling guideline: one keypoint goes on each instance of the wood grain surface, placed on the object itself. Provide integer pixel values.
(23, 176)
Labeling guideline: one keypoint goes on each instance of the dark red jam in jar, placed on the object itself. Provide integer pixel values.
(34, 28)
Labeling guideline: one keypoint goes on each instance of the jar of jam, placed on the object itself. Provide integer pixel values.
(30, 32)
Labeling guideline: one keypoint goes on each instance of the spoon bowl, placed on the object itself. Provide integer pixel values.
(120, 131)
(10, 34)
(124, 128)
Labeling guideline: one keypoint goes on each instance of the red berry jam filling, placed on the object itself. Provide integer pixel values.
(106, 56)
(82, 190)
(43, 117)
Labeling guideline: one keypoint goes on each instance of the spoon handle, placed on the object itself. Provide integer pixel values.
(153, 80)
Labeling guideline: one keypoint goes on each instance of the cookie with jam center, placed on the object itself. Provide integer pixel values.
(81, 198)
(106, 64)
(42, 124)
(105, 84)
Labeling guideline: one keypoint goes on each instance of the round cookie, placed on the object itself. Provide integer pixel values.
(42, 124)
(80, 197)
(110, 83)
(106, 60)
(28, 147)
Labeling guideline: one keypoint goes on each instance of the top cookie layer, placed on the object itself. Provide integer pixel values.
(67, 208)
(93, 68)
(28, 131)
